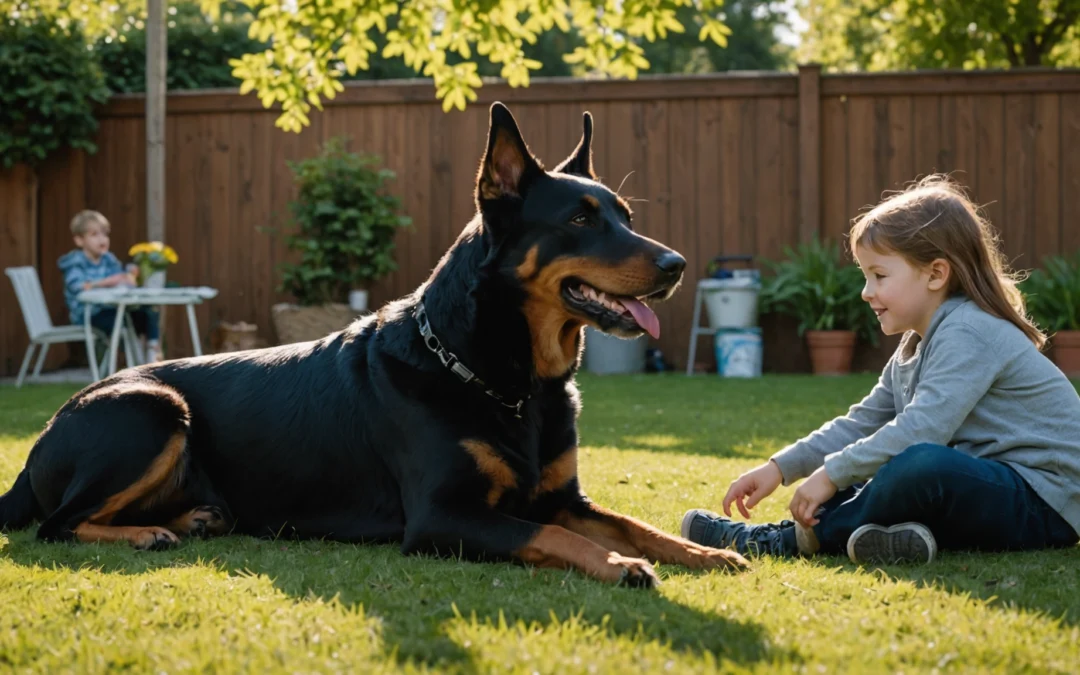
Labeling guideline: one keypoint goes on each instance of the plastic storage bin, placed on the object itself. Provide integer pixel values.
(610, 355)
(738, 352)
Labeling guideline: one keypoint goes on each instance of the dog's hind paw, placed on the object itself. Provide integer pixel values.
(202, 521)
(207, 520)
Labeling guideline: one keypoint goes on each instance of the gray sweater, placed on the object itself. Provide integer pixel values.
(975, 383)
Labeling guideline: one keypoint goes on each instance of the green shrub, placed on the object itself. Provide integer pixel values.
(1052, 293)
(49, 85)
(347, 224)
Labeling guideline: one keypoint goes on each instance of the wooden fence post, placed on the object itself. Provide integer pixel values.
(156, 38)
(809, 151)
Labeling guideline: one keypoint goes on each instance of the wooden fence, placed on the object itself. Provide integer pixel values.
(724, 164)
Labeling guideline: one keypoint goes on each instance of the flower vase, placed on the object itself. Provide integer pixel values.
(151, 278)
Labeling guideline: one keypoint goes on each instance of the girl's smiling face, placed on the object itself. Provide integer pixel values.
(903, 296)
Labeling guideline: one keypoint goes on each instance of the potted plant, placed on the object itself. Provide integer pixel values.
(1052, 296)
(824, 295)
(152, 258)
(346, 224)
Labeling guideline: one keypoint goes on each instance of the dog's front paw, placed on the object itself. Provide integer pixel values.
(717, 558)
(636, 573)
(154, 539)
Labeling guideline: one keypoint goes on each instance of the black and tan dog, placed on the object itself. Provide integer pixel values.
(445, 422)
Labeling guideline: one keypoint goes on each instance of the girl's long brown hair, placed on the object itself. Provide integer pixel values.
(934, 218)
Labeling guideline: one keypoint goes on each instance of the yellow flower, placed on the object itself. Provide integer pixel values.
(146, 248)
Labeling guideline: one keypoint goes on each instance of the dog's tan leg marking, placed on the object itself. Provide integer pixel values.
(634, 537)
(554, 546)
(159, 482)
(140, 537)
(493, 466)
(557, 473)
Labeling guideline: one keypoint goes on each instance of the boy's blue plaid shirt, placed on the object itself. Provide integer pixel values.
(79, 269)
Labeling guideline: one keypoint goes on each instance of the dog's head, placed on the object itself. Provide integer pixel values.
(568, 242)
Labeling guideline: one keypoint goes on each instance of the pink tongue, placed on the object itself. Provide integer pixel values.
(644, 316)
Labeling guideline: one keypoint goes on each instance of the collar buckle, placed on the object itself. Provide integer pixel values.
(452, 362)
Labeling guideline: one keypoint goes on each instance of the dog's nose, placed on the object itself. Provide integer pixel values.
(671, 263)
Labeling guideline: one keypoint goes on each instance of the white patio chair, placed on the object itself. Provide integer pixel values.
(42, 331)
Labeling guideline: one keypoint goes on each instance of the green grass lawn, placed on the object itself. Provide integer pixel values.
(652, 446)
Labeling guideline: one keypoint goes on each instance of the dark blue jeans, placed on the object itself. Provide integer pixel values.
(967, 502)
(146, 319)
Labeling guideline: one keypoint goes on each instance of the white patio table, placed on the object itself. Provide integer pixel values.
(122, 298)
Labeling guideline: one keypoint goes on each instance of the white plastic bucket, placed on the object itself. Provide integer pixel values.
(732, 303)
(358, 300)
(738, 352)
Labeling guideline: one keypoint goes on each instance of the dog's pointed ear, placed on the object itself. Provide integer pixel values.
(579, 163)
(508, 166)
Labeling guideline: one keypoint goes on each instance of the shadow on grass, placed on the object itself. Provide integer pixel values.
(1046, 582)
(419, 598)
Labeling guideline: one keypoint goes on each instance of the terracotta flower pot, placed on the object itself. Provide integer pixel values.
(1066, 345)
(831, 351)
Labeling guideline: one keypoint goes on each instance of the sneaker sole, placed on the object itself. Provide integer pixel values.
(688, 517)
(903, 543)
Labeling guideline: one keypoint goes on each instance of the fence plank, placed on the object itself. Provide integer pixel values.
(926, 136)
(684, 218)
(809, 140)
(834, 167)
(901, 141)
(1016, 229)
(657, 223)
(769, 234)
(990, 153)
(863, 150)
(1048, 179)
(1070, 173)
(735, 171)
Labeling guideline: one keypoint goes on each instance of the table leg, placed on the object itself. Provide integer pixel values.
(115, 341)
(196, 343)
(91, 353)
(132, 337)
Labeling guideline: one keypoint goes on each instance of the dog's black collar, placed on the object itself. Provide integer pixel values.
(451, 361)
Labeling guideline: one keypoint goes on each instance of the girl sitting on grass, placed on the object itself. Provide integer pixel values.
(971, 437)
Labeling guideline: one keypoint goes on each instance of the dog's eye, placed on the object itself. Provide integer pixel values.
(580, 219)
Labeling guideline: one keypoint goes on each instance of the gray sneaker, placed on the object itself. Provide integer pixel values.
(713, 530)
(903, 543)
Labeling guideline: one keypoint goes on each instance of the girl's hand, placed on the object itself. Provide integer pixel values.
(756, 484)
(815, 491)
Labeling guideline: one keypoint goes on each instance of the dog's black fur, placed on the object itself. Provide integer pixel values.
(365, 435)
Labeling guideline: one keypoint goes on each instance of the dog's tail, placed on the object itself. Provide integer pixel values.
(19, 506)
